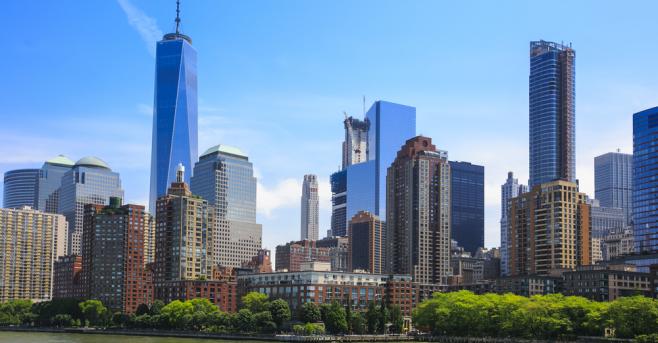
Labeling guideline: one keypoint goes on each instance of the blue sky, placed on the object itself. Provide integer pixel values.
(275, 76)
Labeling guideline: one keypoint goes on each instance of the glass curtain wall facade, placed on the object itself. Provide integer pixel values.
(175, 112)
(338, 182)
(467, 205)
(552, 112)
(361, 189)
(21, 188)
(224, 176)
(390, 126)
(613, 181)
(645, 180)
(90, 181)
(50, 180)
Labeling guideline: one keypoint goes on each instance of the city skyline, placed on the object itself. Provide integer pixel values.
(124, 141)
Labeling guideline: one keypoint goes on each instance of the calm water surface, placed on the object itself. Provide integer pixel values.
(41, 337)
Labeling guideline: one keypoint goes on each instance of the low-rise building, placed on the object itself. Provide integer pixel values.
(290, 256)
(338, 251)
(261, 263)
(357, 289)
(528, 285)
(607, 282)
(617, 244)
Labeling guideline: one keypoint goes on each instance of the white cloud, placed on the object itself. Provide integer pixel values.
(146, 26)
(145, 109)
(285, 194)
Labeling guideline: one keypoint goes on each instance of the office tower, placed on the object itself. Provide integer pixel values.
(89, 181)
(225, 178)
(510, 189)
(645, 180)
(361, 189)
(617, 244)
(21, 188)
(175, 121)
(113, 269)
(27, 251)
(467, 205)
(338, 182)
(613, 181)
(390, 126)
(310, 227)
(292, 255)
(606, 220)
(184, 234)
(418, 213)
(552, 113)
(549, 229)
(355, 146)
(366, 237)
(50, 181)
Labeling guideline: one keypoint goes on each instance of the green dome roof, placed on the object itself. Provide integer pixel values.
(226, 149)
(91, 161)
(61, 160)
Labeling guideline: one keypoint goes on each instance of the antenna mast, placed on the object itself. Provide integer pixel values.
(177, 16)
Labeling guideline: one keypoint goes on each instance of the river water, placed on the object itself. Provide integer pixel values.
(42, 337)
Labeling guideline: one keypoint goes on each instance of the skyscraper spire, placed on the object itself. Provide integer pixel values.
(177, 16)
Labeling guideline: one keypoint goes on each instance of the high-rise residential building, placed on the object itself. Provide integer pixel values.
(89, 181)
(184, 234)
(67, 271)
(552, 112)
(28, 248)
(390, 126)
(613, 181)
(510, 189)
(113, 256)
(549, 229)
(645, 180)
(175, 119)
(366, 237)
(225, 178)
(310, 210)
(418, 213)
(21, 188)
(50, 181)
(467, 205)
(606, 220)
(292, 255)
(338, 182)
(355, 145)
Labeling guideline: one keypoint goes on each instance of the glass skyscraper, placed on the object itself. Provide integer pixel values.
(225, 177)
(338, 182)
(89, 181)
(613, 181)
(50, 180)
(175, 112)
(467, 205)
(552, 100)
(361, 189)
(21, 188)
(645, 180)
(390, 126)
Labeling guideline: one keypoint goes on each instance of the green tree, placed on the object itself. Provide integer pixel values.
(335, 321)
(95, 312)
(383, 317)
(62, 320)
(15, 312)
(156, 307)
(397, 320)
(280, 312)
(633, 316)
(309, 313)
(372, 318)
(264, 322)
(255, 302)
(142, 309)
(358, 323)
(243, 321)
